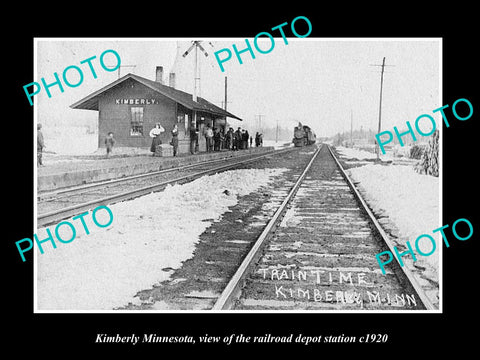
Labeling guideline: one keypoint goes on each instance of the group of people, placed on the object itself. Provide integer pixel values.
(217, 140)
(156, 139)
(238, 139)
(155, 134)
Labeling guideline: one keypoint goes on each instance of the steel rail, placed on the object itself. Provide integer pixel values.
(234, 287)
(45, 195)
(384, 236)
(56, 215)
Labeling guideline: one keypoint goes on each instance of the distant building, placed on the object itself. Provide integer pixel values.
(132, 105)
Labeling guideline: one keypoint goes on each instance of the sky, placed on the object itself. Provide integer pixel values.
(326, 83)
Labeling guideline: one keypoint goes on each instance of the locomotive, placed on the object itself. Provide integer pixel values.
(303, 135)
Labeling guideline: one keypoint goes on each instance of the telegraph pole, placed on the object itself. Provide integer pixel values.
(225, 129)
(380, 107)
(260, 121)
(226, 93)
(351, 128)
(196, 76)
(276, 133)
(377, 149)
(225, 102)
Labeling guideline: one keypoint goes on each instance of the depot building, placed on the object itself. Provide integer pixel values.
(132, 105)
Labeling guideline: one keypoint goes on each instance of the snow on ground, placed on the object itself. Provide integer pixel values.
(277, 145)
(54, 158)
(351, 153)
(396, 155)
(410, 200)
(149, 237)
(69, 140)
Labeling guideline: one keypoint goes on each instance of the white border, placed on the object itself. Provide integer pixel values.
(241, 312)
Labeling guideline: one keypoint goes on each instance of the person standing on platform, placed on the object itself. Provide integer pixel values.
(217, 139)
(222, 139)
(155, 134)
(232, 138)
(251, 139)
(209, 138)
(40, 144)
(229, 139)
(246, 136)
(257, 139)
(238, 138)
(193, 139)
(243, 140)
(109, 142)
(174, 141)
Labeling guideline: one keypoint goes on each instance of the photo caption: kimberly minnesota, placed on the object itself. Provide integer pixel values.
(145, 338)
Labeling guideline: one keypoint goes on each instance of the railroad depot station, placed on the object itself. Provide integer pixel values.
(132, 105)
(129, 108)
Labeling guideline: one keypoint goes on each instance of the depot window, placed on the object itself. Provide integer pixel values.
(136, 121)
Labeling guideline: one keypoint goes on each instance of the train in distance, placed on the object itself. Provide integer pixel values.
(303, 135)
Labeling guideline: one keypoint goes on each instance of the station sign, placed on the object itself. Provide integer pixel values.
(136, 101)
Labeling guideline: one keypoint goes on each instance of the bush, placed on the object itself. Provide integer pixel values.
(429, 163)
(416, 152)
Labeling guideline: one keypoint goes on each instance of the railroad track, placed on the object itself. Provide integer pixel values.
(54, 206)
(318, 253)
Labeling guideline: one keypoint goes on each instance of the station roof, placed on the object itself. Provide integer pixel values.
(90, 102)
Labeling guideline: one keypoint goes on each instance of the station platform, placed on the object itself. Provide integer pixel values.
(78, 170)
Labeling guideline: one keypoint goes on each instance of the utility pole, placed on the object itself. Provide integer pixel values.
(351, 128)
(196, 76)
(225, 93)
(380, 107)
(260, 122)
(225, 102)
(276, 133)
(377, 149)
